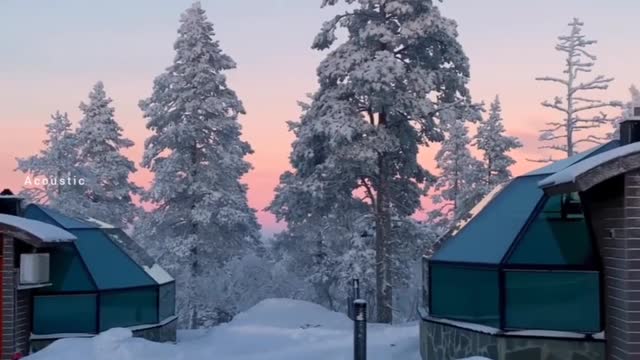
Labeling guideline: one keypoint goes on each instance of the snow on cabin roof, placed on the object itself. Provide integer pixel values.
(158, 274)
(100, 224)
(42, 231)
(571, 173)
(560, 165)
(15, 197)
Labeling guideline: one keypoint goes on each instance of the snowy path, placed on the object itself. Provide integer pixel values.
(276, 329)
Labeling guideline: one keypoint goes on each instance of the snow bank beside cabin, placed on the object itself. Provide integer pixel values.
(275, 329)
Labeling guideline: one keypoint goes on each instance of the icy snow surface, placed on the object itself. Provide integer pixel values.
(276, 329)
(43, 231)
(572, 172)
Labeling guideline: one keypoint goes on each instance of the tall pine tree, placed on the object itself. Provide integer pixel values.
(459, 186)
(380, 95)
(627, 111)
(201, 216)
(495, 146)
(108, 191)
(57, 161)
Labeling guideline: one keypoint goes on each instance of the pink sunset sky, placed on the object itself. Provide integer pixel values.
(51, 54)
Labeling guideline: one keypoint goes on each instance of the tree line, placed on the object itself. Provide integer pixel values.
(396, 84)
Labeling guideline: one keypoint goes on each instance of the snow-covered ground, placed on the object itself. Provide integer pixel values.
(274, 329)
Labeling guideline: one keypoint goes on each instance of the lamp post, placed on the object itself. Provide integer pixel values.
(360, 330)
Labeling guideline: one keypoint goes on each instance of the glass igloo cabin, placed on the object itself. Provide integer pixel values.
(101, 280)
(521, 279)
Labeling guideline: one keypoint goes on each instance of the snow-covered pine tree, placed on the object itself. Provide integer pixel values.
(58, 160)
(201, 217)
(108, 191)
(461, 183)
(380, 94)
(626, 112)
(563, 135)
(495, 146)
(635, 101)
(323, 226)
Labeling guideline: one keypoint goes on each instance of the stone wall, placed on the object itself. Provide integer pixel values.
(15, 305)
(440, 341)
(8, 298)
(164, 333)
(23, 321)
(615, 219)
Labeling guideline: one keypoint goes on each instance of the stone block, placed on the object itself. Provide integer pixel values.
(533, 353)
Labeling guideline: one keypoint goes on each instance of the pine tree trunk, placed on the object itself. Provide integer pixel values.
(194, 268)
(193, 316)
(384, 295)
(384, 289)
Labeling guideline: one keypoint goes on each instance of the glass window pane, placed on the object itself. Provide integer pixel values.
(167, 300)
(465, 294)
(67, 271)
(563, 301)
(554, 240)
(128, 308)
(55, 314)
(478, 241)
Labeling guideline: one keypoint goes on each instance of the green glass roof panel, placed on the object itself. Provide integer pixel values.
(35, 212)
(565, 163)
(487, 238)
(551, 240)
(129, 246)
(109, 266)
(54, 217)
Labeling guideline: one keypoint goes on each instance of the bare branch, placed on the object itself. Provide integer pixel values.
(555, 106)
(593, 106)
(550, 159)
(552, 79)
(554, 147)
(551, 137)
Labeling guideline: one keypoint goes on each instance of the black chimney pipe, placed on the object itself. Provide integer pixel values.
(10, 204)
(630, 127)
